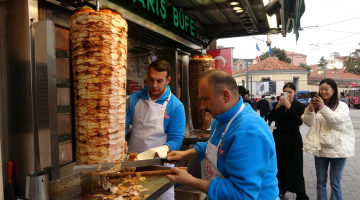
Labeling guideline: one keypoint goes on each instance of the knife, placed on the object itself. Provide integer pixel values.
(120, 165)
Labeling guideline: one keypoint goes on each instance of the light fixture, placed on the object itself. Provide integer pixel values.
(244, 14)
(272, 21)
(271, 7)
(237, 8)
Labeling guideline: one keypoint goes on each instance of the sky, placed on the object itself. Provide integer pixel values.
(330, 36)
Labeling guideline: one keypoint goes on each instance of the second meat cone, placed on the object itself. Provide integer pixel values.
(99, 48)
(197, 66)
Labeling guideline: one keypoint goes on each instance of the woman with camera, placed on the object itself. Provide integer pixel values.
(331, 137)
(289, 143)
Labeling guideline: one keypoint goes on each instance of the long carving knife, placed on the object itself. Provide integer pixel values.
(120, 165)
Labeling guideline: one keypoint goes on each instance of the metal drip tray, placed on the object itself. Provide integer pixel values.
(156, 185)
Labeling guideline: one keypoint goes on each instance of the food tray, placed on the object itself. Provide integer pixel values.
(156, 185)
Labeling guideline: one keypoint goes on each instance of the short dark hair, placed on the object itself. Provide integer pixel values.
(342, 94)
(263, 96)
(278, 98)
(290, 85)
(272, 98)
(334, 99)
(220, 80)
(242, 90)
(161, 66)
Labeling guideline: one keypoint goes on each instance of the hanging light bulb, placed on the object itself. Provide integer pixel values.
(237, 8)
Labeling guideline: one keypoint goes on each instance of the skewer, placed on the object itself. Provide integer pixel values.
(97, 5)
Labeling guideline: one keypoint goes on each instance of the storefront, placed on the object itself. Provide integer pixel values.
(37, 99)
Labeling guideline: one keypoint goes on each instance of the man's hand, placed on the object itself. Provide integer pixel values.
(181, 155)
(184, 178)
(176, 155)
(180, 176)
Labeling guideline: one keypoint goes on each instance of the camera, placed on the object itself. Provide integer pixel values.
(283, 95)
(313, 94)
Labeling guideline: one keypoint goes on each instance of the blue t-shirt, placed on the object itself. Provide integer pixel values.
(174, 116)
(246, 157)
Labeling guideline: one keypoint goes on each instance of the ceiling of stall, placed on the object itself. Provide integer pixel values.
(217, 19)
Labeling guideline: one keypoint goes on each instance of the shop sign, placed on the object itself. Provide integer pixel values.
(172, 16)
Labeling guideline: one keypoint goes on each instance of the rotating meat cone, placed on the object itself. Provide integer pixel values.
(197, 66)
(99, 50)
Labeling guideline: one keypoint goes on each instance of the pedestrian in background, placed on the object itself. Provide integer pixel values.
(264, 107)
(244, 94)
(254, 103)
(352, 103)
(289, 144)
(242, 91)
(330, 139)
(273, 100)
(344, 99)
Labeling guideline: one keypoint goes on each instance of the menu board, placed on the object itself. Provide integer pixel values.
(272, 87)
(266, 88)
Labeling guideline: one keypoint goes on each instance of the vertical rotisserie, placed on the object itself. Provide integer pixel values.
(198, 65)
(99, 53)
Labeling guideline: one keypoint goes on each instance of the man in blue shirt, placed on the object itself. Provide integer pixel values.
(156, 115)
(240, 155)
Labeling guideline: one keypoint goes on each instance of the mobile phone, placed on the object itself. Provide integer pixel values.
(313, 94)
(283, 95)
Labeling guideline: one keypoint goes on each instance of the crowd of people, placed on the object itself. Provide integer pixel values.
(330, 139)
(243, 159)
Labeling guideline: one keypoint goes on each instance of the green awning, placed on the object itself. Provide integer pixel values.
(293, 11)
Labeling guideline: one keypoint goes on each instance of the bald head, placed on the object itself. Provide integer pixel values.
(220, 80)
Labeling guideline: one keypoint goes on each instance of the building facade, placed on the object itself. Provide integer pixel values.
(296, 58)
(269, 76)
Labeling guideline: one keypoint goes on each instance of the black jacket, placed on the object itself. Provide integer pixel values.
(263, 105)
(288, 143)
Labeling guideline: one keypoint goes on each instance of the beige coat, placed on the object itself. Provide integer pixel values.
(331, 132)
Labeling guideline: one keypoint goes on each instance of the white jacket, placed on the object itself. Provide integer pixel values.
(331, 132)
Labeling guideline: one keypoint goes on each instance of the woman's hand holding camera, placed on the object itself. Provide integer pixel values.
(316, 103)
(283, 102)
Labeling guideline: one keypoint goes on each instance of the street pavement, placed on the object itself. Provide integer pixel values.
(351, 176)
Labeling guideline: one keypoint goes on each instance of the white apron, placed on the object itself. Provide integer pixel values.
(148, 131)
(211, 170)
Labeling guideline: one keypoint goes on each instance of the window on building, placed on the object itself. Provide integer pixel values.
(240, 67)
(296, 82)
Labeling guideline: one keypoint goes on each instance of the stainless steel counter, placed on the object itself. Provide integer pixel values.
(76, 187)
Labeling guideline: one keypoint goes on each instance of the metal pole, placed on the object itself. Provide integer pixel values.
(247, 74)
(324, 69)
(251, 84)
(97, 5)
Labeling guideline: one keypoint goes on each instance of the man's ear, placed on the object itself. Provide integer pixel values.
(225, 94)
(168, 80)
